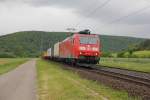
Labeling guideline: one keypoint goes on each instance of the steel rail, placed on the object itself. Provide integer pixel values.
(130, 76)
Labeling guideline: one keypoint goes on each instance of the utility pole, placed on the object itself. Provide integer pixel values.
(70, 30)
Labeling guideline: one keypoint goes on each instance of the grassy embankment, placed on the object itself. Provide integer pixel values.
(142, 54)
(137, 54)
(55, 83)
(138, 64)
(7, 64)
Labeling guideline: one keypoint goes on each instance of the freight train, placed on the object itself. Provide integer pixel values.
(81, 47)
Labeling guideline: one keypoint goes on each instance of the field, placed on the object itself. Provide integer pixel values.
(142, 54)
(137, 54)
(7, 64)
(138, 64)
(55, 83)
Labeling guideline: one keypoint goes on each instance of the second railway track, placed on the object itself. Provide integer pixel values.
(137, 77)
(131, 76)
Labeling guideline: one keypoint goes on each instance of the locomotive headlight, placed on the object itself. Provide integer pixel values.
(95, 49)
(96, 54)
(82, 48)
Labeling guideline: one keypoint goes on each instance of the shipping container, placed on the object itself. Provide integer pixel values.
(49, 52)
(56, 50)
(52, 51)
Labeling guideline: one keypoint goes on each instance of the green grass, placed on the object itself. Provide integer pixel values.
(138, 64)
(138, 54)
(7, 64)
(55, 83)
(142, 54)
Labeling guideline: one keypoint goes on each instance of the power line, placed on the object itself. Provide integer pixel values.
(126, 16)
(93, 11)
(130, 14)
(116, 20)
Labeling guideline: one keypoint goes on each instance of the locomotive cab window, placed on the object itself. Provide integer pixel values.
(88, 40)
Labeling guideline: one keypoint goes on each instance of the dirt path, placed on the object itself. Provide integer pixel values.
(19, 84)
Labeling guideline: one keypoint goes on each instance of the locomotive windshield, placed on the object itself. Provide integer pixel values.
(88, 40)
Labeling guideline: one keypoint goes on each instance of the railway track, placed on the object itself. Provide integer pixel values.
(134, 82)
(139, 78)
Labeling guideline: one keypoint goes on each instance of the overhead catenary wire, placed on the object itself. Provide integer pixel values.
(115, 20)
(130, 14)
(126, 16)
(93, 11)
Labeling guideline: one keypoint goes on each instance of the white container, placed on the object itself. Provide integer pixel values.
(56, 50)
(49, 52)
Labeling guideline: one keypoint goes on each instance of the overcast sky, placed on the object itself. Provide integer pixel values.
(110, 17)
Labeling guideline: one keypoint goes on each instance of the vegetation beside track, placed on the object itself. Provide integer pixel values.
(7, 64)
(56, 83)
(142, 54)
(137, 64)
(128, 54)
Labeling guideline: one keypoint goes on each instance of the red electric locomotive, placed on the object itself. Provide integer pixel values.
(82, 47)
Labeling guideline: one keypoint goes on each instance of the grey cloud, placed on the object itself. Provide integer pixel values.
(112, 11)
(64, 3)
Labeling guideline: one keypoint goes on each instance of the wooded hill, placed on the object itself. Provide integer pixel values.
(144, 45)
(32, 43)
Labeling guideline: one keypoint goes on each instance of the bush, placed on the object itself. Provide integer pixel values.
(141, 54)
(121, 54)
(7, 55)
(106, 54)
